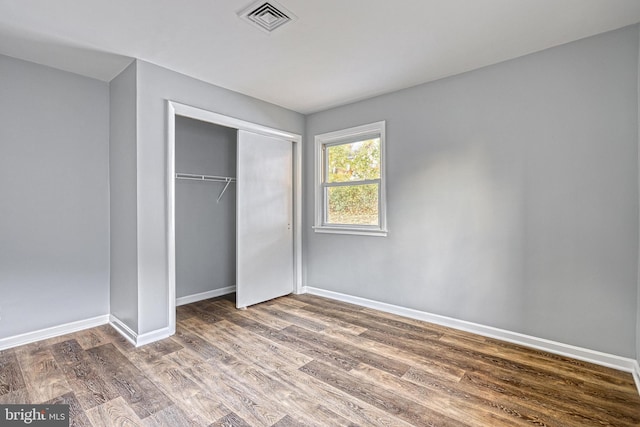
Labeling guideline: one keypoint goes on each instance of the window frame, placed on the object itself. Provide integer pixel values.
(347, 136)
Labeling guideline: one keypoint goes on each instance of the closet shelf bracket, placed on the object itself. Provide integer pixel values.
(223, 190)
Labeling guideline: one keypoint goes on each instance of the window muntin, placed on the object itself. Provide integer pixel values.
(350, 196)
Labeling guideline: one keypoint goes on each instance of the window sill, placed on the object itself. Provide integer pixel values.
(350, 230)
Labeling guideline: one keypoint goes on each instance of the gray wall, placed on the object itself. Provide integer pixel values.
(512, 197)
(205, 229)
(54, 227)
(123, 197)
(155, 85)
(638, 292)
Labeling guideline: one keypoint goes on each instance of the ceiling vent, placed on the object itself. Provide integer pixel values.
(267, 15)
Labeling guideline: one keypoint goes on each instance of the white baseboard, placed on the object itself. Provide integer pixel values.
(67, 328)
(636, 375)
(139, 339)
(128, 333)
(149, 337)
(584, 354)
(205, 295)
(53, 331)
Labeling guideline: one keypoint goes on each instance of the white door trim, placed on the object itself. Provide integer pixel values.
(176, 109)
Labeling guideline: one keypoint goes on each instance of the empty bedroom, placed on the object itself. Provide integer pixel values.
(319, 213)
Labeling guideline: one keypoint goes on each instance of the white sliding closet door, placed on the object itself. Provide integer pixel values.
(264, 218)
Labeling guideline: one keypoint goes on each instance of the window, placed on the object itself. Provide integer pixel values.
(350, 187)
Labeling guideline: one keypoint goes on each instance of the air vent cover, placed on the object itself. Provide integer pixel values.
(267, 15)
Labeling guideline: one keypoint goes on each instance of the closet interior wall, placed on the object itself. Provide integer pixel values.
(205, 227)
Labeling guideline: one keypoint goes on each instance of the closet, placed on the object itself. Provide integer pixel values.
(232, 219)
(205, 213)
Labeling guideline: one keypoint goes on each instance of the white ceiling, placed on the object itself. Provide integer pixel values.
(337, 51)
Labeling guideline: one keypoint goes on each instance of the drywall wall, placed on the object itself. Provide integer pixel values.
(205, 228)
(512, 197)
(638, 291)
(155, 86)
(54, 232)
(123, 197)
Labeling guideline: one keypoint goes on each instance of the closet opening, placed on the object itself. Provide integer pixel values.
(205, 210)
(234, 209)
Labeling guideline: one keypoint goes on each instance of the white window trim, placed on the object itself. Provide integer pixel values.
(344, 136)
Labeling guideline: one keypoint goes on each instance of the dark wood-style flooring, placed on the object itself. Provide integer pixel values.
(310, 361)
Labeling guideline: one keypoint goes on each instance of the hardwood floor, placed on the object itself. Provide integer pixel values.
(310, 361)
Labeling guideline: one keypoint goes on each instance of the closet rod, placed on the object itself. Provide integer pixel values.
(213, 178)
(210, 178)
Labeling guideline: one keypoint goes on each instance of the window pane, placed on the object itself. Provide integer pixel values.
(357, 205)
(356, 161)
